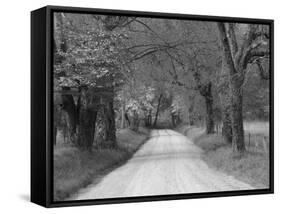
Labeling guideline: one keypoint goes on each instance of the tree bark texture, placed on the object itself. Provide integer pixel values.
(87, 119)
(105, 125)
(86, 130)
(236, 79)
(226, 124)
(68, 105)
(100, 128)
(225, 99)
(237, 117)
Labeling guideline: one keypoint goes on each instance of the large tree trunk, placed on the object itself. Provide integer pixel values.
(86, 130)
(236, 77)
(157, 110)
(100, 127)
(226, 124)
(225, 99)
(238, 144)
(87, 119)
(206, 92)
(68, 105)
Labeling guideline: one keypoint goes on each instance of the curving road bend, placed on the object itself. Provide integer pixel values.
(168, 163)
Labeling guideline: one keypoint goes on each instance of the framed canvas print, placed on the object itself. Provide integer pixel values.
(141, 106)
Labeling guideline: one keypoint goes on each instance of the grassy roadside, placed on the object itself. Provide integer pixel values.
(253, 168)
(75, 169)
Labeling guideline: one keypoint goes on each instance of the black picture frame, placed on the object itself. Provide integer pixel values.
(42, 111)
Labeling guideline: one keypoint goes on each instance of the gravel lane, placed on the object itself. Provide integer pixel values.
(168, 163)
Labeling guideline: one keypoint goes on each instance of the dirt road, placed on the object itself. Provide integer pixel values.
(168, 163)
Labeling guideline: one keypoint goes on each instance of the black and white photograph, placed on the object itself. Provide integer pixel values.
(156, 106)
(139, 107)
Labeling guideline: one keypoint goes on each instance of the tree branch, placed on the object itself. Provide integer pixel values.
(264, 75)
(254, 54)
(232, 39)
(150, 29)
(226, 47)
(174, 74)
(247, 44)
(151, 50)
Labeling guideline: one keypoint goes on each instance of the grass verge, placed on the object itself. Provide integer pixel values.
(252, 168)
(75, 169)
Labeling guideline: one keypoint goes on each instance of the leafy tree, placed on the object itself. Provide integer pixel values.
(242, 45)
(87, 59)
